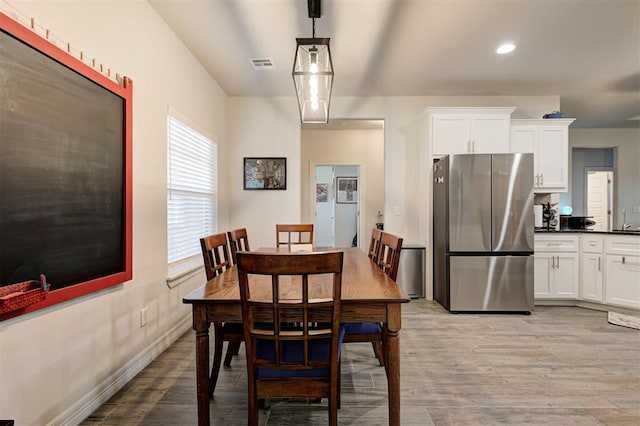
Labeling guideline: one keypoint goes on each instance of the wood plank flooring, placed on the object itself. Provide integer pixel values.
(557, 366)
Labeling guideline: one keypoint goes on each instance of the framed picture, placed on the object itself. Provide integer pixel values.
(322, 192)
(265, 173)
(347, 190)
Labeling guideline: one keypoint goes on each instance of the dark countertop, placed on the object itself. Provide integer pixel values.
(588, 231)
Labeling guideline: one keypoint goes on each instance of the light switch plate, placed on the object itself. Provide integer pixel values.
(635, 209)
(396, 210)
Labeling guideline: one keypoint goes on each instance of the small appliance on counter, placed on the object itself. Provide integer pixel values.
(549, 221)
(537, 216)
(568, 222)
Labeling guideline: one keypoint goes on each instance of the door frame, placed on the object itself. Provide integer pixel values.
(361, 191)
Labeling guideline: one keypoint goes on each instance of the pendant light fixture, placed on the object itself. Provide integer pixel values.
(313, 73)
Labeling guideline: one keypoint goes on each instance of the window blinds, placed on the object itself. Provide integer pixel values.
(191, 189)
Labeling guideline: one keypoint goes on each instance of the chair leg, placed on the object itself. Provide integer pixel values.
(377, 350)
(333, 407)
(217, 357)
(339, 382)
(232, 349)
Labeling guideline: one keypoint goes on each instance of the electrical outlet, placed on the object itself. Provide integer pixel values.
(396, 210)
(143, 317)
(635, 209)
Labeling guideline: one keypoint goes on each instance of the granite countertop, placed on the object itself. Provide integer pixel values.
(588, 231)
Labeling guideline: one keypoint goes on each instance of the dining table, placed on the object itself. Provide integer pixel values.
(368, 295)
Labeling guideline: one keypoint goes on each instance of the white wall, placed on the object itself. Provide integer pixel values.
(626, 163)
(59, 358)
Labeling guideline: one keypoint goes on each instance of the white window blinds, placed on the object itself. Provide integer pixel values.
(191, 189)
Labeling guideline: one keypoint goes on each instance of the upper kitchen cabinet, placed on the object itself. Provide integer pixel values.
(469, 130)
(548, 140)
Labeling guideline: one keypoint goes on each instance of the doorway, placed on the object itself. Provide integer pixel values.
(337, 205)
(599, 197)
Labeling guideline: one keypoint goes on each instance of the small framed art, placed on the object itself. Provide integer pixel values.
(346, 190)
(265, 173)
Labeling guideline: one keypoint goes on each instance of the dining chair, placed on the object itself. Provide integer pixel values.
(215, 252)
(277, 290)
(388, 260)
(288, 234)
(238, 241)
(374, 245)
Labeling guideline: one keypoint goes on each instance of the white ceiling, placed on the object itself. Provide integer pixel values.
(585, 51)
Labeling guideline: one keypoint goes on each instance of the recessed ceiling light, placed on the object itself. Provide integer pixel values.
(505, 48)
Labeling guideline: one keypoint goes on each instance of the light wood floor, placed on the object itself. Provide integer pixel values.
(558, 366)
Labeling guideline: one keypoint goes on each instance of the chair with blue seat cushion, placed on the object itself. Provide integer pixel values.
(215, 253)
(291, 316)
(387, 257)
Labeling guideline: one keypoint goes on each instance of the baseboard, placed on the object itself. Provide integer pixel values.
(86, 405)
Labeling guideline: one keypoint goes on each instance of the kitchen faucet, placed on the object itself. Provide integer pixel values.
(625, 225)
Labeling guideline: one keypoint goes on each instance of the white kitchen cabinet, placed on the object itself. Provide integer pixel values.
(592, 268)
(469, 130)
(556, 267)
(548, 140)
(622, 271)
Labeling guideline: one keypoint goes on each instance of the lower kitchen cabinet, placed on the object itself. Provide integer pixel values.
(592, 268)
(556, 275)
(556, 267)
(622, 270)
(623, 280)
(592, 277)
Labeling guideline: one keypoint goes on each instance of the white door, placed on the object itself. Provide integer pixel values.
(598, 199)
(325, 216)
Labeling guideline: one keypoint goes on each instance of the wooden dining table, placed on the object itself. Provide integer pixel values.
(368, 295)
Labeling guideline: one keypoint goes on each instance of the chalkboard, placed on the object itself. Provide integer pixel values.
(62, 171)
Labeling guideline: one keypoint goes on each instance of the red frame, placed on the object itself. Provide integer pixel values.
(45, 47)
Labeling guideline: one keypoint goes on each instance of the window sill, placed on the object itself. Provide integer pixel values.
(181, 271)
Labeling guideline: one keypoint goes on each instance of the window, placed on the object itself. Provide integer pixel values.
(191, 189)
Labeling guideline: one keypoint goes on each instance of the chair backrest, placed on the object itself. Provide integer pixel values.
(390, 247)
(294, 234)
(215, 253)
(238, 241)
(374, 245)
(278, 290)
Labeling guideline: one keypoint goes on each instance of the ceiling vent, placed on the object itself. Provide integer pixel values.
(262, 64)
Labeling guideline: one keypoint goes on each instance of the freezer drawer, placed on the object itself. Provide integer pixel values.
(411, 270)
(491, 283)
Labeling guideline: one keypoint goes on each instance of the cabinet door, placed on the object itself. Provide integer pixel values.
(490, 133)
(523, 139)
(552, 153)
(623, 280)
(592, 273)
(451, 134)
(565, 276)
(542, 275)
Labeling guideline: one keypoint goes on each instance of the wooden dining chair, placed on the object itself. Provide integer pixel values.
(374, 245)
(238, 241)
(388, 260)
(288, 234)
(215, 252)
(277, 290)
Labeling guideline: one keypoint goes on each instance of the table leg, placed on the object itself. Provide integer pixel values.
(201, 326)
(392, 362)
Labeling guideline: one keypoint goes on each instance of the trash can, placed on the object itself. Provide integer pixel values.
(411, 270)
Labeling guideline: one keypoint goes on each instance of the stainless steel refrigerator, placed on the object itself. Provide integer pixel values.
(483, 225)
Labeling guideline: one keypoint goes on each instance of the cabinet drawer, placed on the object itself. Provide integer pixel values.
(556, 243)
(592, 243)
(628, 245)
